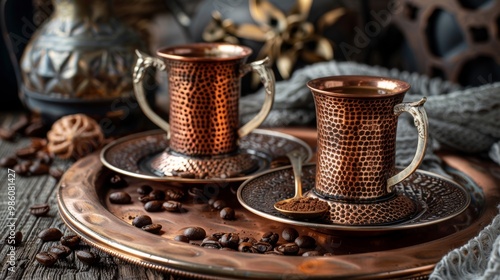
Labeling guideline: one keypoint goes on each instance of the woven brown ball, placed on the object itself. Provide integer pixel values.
(74, 136)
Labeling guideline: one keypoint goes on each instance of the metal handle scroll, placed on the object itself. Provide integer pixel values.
(416, 109)
(266, 74)
(143, 62)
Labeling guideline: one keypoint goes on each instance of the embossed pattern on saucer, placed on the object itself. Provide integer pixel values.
(130, 155)
(439, 198)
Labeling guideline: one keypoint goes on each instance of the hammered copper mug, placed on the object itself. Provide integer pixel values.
(204, 91)
(357, 120)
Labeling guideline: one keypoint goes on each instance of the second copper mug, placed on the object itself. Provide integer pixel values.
(357, 120)
(204, 90)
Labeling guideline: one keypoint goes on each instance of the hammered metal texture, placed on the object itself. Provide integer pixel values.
(204, 96)
(134, 155)
(356, 145)
(227, 166)
(434, 198)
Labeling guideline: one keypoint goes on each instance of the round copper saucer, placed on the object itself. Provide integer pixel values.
(132, 155)
(437, 199)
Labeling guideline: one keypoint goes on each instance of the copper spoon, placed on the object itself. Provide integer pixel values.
(296, 159)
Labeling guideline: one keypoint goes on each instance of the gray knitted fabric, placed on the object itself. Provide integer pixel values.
(464, 119)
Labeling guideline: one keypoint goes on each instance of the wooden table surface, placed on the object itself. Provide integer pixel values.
(43, 189)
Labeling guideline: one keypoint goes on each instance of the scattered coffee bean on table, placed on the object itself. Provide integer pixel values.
(181, 238)
(87, 257)
(46, 258)
(152, 228)
(142, 220)
(8, 161)
(288, 249)
(311, 254)
(219, 204)
(289, 234)
(60, 251)
(195, 233)
(305, 241)
(270, 237)
(56, 172)
(39, 210)
(50, 234)
(172, 206)
(71, 240)
(15, 239)
(227, 213)
(153, 206)
(174, 194)
(157, 195)
(144, 189)
(39, 168)
(117, 182)
(120, 198)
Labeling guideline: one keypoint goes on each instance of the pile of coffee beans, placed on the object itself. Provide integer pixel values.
(67, 244)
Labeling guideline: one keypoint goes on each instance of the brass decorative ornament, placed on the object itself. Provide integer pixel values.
(286, 37)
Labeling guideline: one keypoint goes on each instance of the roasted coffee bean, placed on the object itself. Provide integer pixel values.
(288, 249)
(39, 168)
(218, 235)
(153, 206)
(246, 247)
(71, 240)
(87, 257)
(46, 258)
(211, 244)
(305, 241)
(212, 200)
(144, 189)
(248, 239)
(50, 234)
(39, 210)
(14, 238)
(8, 161)
(172, 206)
(270, 237)
(120, 198)
(26, 152)
(56, 172)
(44, 157)
(230, 240)
(157, 195)
(227, 213)
(195, 233)
(152, 228)
(7, 134)
(60, 251)
(117, 181)
(311, 254)
(181, 238)
(174, 194)
(262, 247)
(22, 168)
(20, 124)
(142, 220)
(35, 129)
(219, 204)
(38, 143)
(145, 198)
(289, 234)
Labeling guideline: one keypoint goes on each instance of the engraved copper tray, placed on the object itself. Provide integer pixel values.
(437, 199)
(132, 155)
(406, 253)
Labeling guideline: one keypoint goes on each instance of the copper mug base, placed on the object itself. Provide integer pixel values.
(170, 163)
(394, 208)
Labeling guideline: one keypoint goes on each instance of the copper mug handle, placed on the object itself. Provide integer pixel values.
(261, 67)
(416, 109)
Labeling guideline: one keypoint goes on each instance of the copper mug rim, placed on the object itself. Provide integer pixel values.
(205, 52)
(392, 86)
